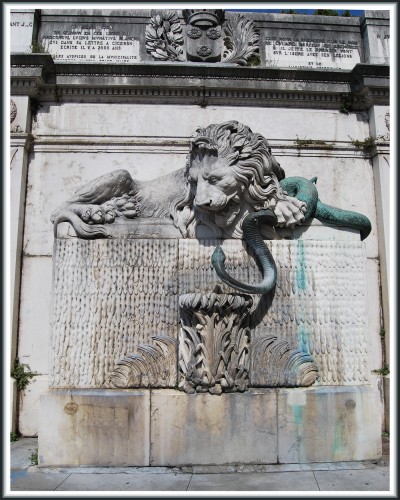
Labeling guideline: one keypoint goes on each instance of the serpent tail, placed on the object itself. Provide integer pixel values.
(338, 217)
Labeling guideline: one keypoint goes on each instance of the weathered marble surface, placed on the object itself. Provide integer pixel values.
(101, 131)
(112, 295)
(94, 428)
(329, 424)
(166, 427)
(204, 429)
(109, 297)
(23, 29)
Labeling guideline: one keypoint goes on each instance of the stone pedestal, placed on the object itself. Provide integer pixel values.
(166, 427)
(319, 309)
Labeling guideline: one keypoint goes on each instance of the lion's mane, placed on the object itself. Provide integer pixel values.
(253, 165)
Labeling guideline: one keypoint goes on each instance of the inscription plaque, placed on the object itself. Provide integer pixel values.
(311, 52)
(102, 43)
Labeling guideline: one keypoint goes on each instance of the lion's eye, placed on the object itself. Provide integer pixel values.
(213, 179)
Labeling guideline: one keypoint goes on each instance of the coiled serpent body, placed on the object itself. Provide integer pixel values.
(304, 190)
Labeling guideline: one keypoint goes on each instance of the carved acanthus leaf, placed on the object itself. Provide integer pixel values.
(241, 40)
(164, 40)
(275, 364)
(152, 366)
(214, 342)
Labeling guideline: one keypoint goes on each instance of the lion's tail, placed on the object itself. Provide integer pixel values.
(82, 229)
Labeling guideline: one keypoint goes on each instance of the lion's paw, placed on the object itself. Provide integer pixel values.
(289, 211)
(92, 214)
(123, 206)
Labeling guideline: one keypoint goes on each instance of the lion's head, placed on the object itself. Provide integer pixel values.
(230, 171)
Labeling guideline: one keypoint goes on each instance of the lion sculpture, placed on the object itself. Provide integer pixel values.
(230, 172)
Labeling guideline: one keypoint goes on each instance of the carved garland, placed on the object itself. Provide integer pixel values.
(164, 40)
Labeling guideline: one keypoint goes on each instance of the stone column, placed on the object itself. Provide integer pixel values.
(20, 140)
(375, 32)
(379, 117)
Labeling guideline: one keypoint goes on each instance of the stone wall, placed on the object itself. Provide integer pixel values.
(89, 119)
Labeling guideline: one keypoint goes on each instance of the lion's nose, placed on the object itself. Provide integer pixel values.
(203, 202)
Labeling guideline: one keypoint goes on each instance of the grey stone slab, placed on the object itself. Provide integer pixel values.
(204, 429)
(25, 481)
(95, 427)
(354, 480)
(124, 482)
(329, 424)
(274, 481)
(21, 450)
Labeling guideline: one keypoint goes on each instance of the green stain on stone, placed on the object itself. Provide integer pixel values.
(339, 437)
(298, 414)
(301, 278)
(303, 335)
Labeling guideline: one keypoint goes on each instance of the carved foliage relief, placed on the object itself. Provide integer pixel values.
(164, 40)
(214, 342)
(152, 366)
(209, 37)
(13, 110)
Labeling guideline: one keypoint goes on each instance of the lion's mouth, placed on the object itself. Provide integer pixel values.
(227, 216)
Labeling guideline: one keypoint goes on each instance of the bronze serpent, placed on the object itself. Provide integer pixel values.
(304, 190)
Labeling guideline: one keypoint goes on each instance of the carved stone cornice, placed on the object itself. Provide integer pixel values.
(21, 140)
(30, 72)
(371, 82)
(198, 84)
